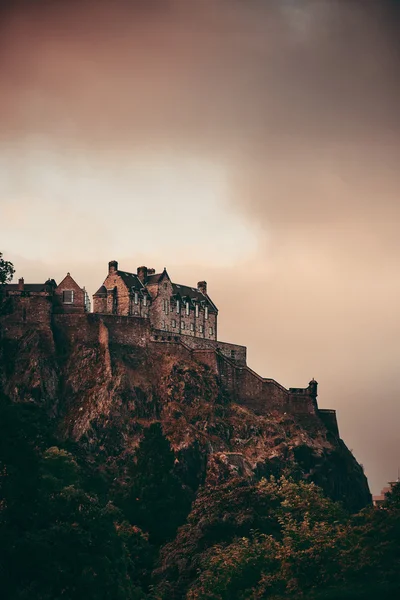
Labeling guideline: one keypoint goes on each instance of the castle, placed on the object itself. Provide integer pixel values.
(172, 307)
(147, 309)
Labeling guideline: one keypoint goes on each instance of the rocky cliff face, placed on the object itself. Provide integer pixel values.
(102, 396)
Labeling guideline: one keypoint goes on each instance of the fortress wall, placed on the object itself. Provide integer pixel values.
(232, 351)
(75, 328)
(328, 417)
(301, 403)
(171, 348)
(85, 328)
(18, 314)
(127, 330)
(206, 357)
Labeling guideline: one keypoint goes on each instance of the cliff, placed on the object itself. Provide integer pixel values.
(103, 391)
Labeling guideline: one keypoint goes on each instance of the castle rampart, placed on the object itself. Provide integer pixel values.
(21, 311)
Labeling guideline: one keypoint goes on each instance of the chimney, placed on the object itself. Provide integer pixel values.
(202, 287)
(142, 274)
(21, 283)
(112, 267)
(151, 271)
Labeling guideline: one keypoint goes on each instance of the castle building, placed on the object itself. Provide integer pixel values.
(169, 306)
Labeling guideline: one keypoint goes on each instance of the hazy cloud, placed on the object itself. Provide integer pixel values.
(278, 127)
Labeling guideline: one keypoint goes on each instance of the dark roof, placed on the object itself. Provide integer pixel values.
(101, 290)
(154, 278)
(131, 280)
(29, 287)
(184, 291)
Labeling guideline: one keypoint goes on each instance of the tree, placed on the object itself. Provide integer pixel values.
(6, 270)
(157, 502)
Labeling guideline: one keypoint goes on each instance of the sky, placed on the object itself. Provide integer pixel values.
(251, 143)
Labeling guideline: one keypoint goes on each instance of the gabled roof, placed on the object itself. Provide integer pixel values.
(131, 281)
(154, 278)
(184, 291)
(101, 291)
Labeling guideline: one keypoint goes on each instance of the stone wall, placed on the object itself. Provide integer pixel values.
(232, 351)
(328, 417)
(21, 311)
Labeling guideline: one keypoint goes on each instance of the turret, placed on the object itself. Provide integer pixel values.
(313, 388)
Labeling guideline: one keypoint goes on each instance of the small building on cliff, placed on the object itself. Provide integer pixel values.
(36, 302)
(171, 307)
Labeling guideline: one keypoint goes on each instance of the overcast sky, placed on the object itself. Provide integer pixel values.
(251, 143)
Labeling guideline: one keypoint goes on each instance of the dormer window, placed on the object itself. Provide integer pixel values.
(136, 298)
(68, 296)
(145, 300)
(178, 307)
(206, 312)
(187, 308)
(197, 310)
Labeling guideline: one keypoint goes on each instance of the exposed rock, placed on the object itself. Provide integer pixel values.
(103, 395)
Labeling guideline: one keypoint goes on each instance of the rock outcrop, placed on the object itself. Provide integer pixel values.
(103, 395)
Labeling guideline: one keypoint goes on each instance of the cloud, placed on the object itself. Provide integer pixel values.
(278, 121)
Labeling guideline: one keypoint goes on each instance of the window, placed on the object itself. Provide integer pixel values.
(191, 327)
(197, 310)
(187, 308)
(206, 312)
(182, 324)
(136, 298)
(173, 323)
(232, 354)
(178, 307)
(163, 325)
(165, 306)
(68, 296)
(201, 328)
(211, 331)
(144, 300)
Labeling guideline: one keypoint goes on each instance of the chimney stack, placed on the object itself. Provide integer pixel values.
(202, 287)
(142, 274)
(21, 283)
(112, 267)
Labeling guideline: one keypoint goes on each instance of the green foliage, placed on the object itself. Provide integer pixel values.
(237, 531)
(6, 270)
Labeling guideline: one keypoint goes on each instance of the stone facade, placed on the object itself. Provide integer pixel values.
(170, 307)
